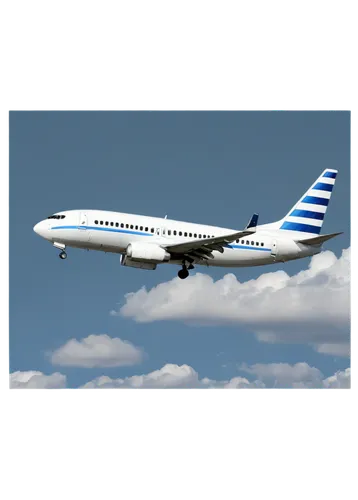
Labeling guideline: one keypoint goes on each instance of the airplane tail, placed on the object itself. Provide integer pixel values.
(306, 217)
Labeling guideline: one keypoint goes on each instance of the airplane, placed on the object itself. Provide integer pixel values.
(144, 242)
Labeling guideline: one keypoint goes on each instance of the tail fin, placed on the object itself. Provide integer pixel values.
(308, 214)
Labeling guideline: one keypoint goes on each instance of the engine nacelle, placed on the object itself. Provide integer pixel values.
(126, 261)
(147, 252)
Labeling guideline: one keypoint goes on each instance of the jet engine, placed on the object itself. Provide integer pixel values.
(126, 261)
(147, 252)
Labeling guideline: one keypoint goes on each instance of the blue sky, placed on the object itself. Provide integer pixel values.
(210, 167)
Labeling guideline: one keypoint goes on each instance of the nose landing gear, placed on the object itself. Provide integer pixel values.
(61, 246)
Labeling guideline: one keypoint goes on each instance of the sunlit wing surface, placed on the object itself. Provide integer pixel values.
(203, 248)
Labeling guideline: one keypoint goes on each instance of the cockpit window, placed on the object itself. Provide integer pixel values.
(56, 217)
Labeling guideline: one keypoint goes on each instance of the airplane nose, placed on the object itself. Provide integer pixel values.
(41, 228)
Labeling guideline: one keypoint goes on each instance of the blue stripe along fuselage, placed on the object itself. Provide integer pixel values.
(113, 230)
(110, 229)
(307, 213)
(245, 247)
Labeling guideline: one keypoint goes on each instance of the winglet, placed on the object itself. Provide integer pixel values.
(252, 222)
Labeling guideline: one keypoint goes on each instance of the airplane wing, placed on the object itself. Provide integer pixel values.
(203, 248)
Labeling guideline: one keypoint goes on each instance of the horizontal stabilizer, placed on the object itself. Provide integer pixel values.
(318, 240)
(253, 221)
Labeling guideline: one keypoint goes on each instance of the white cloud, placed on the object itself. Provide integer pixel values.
(286, 375)
(334, 349)
(300, 375)
(36, 380)
(340, 380)
(312, 306)
(97, 351)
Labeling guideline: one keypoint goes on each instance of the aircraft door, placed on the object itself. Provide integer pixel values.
(83, 221)
(83, 234)
(274, 249)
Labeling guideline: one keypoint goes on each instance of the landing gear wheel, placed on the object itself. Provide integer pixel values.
(183, 273)
(63, 255)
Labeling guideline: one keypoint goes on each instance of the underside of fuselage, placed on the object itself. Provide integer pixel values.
(230, 258)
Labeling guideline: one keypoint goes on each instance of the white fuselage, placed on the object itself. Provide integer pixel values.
(114, 231)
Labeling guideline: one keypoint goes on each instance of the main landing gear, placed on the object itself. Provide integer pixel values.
(63, 255)
(184, 273)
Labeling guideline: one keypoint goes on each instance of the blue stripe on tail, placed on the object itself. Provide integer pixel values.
(331, 175)
(315, 201)
(303, 228)
(322, 186)
(307, 213)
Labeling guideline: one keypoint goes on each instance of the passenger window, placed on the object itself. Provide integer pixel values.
(106, 223)
(174, 232)
(136, 228)
(141, 228)
(101, 222)
(204, 235)
(195, 235)
(169, 232)
(117, 225)
(127, 226)
(122, 225)
(257, 243)
(96, 221)
(262, 244)
(199, 235)
(252, 243)
(146, 229)
(131, 226)
(190, 235)
(152, 230)
(112, 224)
(243, 241)
(247, 242)
(180, 233)
(185, 234)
